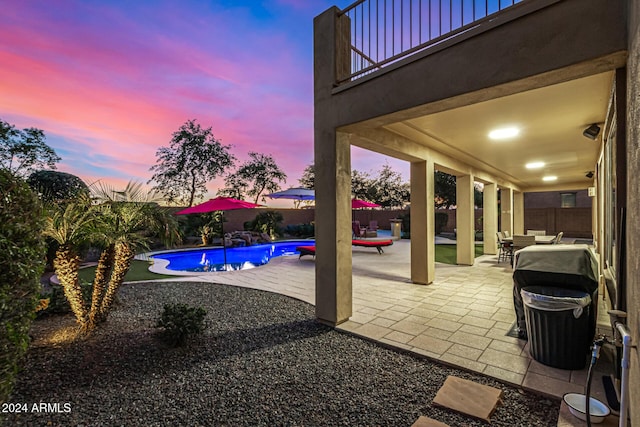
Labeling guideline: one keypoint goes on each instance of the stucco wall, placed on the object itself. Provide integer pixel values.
(536, 45)
(633, 214)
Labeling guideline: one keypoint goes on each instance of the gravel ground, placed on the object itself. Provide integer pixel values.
(263, 361)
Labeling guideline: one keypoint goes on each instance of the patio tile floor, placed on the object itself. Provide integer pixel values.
(460, 319)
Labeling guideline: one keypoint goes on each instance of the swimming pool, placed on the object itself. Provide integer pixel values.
(238, 258)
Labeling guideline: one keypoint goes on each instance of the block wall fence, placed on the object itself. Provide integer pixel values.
(573, 222)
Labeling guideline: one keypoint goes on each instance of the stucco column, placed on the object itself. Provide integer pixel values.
(518, 212)
(333, 228)
(506, 209)
(332, 173)
(465, 236)
(423, 264)
(490, 218)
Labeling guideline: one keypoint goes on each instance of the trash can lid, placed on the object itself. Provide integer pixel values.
(555, 299)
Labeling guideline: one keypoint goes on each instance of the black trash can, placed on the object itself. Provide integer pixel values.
(558, 325)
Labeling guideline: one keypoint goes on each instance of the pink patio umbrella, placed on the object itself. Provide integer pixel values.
(359, 204)
(219, 204)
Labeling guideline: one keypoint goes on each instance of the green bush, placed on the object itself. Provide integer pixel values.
(300, 230)
(406, 224)
(22, 254)
(266, 222)
(180, 322)
(441, 221)
(58, 303)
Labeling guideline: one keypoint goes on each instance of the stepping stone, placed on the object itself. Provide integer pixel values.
(468, 397)
(428, 422)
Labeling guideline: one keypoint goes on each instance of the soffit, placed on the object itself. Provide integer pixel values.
(551, 121)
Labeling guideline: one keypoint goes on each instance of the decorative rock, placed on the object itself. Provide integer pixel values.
(263, 361)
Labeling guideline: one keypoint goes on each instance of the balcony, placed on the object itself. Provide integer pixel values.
(384, 32)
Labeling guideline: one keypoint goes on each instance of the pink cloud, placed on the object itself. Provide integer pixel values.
(109, 84)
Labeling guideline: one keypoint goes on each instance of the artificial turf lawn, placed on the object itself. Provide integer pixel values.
(447, 253)
(139, 271)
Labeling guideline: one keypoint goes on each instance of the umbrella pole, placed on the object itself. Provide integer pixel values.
(224, 242)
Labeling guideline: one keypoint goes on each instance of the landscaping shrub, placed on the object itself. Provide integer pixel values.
(406, 224)
(441, 220)
(22, 254)
(58, 303)
(300, 230)
(266, 222)
(180, 322)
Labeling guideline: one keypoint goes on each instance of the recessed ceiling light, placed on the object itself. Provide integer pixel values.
(534, 165)
(549, 178)
(504, 133)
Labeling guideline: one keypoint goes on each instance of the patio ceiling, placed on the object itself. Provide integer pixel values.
(551, 120)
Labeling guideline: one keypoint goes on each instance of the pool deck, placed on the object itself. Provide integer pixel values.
(461, 319)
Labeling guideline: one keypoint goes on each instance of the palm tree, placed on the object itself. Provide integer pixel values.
(121, 222)
(129, 219)
(71, 226)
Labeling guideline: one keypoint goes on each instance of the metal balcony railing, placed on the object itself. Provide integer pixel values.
(385, 31)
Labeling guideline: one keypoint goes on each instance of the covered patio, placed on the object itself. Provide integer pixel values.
(461, 319)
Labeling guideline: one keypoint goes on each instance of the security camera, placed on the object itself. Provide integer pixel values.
(592, 131)
(589, 174)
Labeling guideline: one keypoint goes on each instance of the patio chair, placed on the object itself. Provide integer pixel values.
(357, 230)
(506, 234)
(504, 248)
(372, 229)
(306, 250)
(378, 244)
(558, 238)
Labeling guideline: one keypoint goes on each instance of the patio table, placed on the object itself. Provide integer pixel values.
(540, 240)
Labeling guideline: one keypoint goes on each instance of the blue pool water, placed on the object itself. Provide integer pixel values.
(239, 258)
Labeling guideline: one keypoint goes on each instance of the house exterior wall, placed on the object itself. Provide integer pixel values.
(508, 59)
(633, 203)
(516, 63)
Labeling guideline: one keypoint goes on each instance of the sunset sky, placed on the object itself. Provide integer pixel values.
(110, 81)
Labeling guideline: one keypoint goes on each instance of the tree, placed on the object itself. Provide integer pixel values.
(24, 151)
(128, 219)
(478, 197)
(255, 176)
(236, 187)
(445, 190)
(71, 225)
(388, 190)
(193, 158)
(385, 189)
(308, 178)
(122, 223)
(361, 185)
(55, 186)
